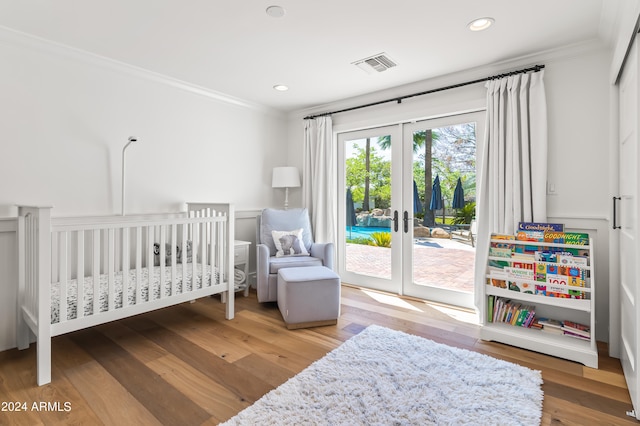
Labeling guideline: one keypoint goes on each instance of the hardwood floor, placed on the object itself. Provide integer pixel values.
(186, 365)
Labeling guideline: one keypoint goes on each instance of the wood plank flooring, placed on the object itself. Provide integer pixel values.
(186, 365)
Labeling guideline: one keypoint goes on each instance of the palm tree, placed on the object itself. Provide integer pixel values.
(367, 180)
(429, 216)
(422, 138)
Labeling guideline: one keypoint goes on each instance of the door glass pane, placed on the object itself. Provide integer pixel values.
(368, 206)
(443, 250)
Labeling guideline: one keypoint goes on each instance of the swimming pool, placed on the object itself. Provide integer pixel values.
(364, 231)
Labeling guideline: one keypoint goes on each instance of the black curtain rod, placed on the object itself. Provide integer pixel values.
(399, 99)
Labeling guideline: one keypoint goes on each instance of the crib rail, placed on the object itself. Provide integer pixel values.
(124, 260)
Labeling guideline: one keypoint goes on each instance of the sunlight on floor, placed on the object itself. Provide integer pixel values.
(389, 299)
(457, 314)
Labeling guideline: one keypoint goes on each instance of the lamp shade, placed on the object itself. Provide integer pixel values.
(285, 177)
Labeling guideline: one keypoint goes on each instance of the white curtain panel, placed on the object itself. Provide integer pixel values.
(320, 178)
(513, 161)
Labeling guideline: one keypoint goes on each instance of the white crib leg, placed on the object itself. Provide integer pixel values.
(230, 296)
(44, 360)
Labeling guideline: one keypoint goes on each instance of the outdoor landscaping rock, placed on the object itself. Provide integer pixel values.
(373, 220)
(421, 232)
(440, 233)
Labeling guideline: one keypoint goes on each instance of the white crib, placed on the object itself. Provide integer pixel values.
(79, 272)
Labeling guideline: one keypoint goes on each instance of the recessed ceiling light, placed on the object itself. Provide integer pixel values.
(281, 87)
(481, 24)
(275, 11)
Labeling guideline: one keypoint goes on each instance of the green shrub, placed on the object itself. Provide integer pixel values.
(360, 240)
(381, 239)
(465, 214)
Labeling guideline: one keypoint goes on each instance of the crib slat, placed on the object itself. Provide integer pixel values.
(111, 286)
(80, 275)
(150, 262)
(194, 254)
(138, 263)
(125, 267)
(174, 257)
(163, 256)
(95, 271)
(212, 251)
(185, 258)
(150, 267)
(203, 252)
(55, 264)
(63, 246)
(220, 264)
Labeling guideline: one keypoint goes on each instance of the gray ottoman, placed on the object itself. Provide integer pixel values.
(308, 296)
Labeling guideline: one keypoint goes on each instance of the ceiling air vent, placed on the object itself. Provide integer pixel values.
(379, 63)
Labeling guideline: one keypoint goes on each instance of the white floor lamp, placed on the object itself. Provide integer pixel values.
(285, 177)
(129, 142)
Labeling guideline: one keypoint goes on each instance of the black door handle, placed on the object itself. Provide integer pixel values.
(395, 221)
(406, 221)
(614, 212)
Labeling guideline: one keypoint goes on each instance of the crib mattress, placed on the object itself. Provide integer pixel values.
(147, 286)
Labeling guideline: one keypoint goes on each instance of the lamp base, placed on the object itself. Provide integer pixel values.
(286, 198)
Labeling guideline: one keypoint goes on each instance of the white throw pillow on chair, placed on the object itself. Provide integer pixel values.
(289, 243)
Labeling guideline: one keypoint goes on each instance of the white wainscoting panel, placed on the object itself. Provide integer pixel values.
(8, 283)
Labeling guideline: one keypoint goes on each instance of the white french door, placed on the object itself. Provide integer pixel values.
(441, 270)
(370, 172)
(380, 171)
(627, 224)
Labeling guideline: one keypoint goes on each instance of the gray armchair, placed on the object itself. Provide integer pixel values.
(267, 264)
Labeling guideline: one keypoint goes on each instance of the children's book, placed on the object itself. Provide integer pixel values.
(554, 237)
(500, 252)
(522, 287)
(575, 335)
(540, 226)
(557, 286)
(497, 283)
(550, 325)
(576, 238)
(575, 326)
(545, 256)
(500, 244)
(536, 236)
(490, 308)
(567, 259)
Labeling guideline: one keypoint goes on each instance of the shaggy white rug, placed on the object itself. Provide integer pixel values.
(387, 377)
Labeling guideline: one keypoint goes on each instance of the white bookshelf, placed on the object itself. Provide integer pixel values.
(578, 310)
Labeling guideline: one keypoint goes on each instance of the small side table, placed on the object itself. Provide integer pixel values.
(241, 249)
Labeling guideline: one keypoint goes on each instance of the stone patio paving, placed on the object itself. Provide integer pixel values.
(437, 262)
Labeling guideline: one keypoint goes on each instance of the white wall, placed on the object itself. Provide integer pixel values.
(577, 88)
(66, 117)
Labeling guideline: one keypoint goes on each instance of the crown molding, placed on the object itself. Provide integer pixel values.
(14, 38)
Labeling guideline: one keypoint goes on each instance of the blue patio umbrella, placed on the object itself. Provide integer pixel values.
(351, 211)
(436, 195)
(458, 196)
(417, 205)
